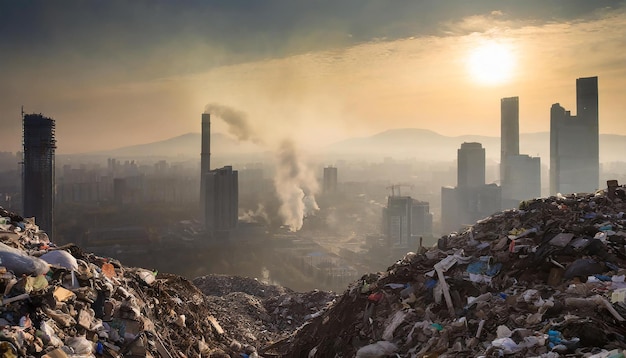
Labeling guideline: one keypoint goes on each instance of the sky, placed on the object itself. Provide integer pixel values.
(117, 73)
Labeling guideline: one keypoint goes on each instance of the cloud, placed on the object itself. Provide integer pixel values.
(286, 77)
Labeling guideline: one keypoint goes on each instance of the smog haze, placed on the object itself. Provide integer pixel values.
(121, 73)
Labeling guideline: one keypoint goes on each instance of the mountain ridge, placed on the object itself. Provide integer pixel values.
(398, 142)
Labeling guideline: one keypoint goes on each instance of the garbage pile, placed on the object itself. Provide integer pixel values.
(61, 302)
(547, 279)
(221, 285)
(256, 313)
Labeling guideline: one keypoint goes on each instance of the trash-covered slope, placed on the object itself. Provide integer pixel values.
(257, 314)
(545, 280)
(62, 302)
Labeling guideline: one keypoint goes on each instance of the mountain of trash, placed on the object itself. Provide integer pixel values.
(62, 302)
(547, 280)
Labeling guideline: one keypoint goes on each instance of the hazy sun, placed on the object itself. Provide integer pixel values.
(491, 63)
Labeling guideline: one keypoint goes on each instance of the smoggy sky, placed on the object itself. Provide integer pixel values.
(116, 73)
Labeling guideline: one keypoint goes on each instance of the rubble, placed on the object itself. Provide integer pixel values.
(62, 302)
(256, 313)
(546, 279)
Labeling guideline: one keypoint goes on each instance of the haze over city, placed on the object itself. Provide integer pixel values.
(121, 73)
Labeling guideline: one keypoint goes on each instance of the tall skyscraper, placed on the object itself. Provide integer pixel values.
(219, 190)
(330, 180)
(471, 165)
(520, 175)
(38, 170)
(405, 220)
(509, 135)
(205, 160)
(472, 199)
(574, 142)
(222, 197)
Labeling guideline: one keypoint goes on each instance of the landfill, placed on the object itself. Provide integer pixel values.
(58, 301)
(544, 280)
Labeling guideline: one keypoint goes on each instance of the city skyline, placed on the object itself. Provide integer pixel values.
(316, 81)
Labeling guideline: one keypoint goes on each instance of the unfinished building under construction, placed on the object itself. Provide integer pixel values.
(38, 170)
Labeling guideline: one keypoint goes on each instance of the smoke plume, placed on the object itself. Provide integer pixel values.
(257, 216)
(237, 122)
(295, 185)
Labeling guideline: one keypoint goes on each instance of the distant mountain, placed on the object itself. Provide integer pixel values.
(186, 145)
(399, 143)
(428, 145)
(411, 143)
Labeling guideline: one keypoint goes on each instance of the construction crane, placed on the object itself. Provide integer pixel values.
(393, 188)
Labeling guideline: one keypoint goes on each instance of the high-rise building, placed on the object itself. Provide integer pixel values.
(222, 196)
(509, 135)
(471, 165)
(520, 175)
(405, 219)
(524, 182)
(219, 190)
(205, 160)
(397, 220)
(574, 142)
(330, 180)
(421, 218)
(38, 170)
(472, 199)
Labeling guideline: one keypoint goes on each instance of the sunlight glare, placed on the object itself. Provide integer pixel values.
(491, 63)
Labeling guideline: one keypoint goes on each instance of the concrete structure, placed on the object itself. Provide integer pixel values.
(471, 165)
(330, 180)
(471, 200)
(524, 182)
(222, 197)
(405, 220)
(38, 170)
(421, 219)
(509, 135)
(219, 190)
(205, 161)
(574, 142)
(520, 175)
(397, 220)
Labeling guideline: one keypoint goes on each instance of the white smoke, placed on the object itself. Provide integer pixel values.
(237, 122)
(296, 186)
(257, 216)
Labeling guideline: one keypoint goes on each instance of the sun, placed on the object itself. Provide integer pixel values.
(491, 63)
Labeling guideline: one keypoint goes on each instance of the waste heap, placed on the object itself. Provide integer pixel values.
(62, 302)
(547, 279)
(257, 313)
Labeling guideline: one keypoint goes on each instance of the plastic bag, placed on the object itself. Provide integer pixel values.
(20, 263)
(60, 258)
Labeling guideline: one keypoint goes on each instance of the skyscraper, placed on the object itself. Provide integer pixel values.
(574, 142)
(520, 175)
(472, 199)
(38, 170)
(471, 165)
(330, 180)
(205, 160)
(509, 135)
(219, 190)
(222, 196)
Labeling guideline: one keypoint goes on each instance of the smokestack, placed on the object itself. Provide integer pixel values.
(205, 160)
